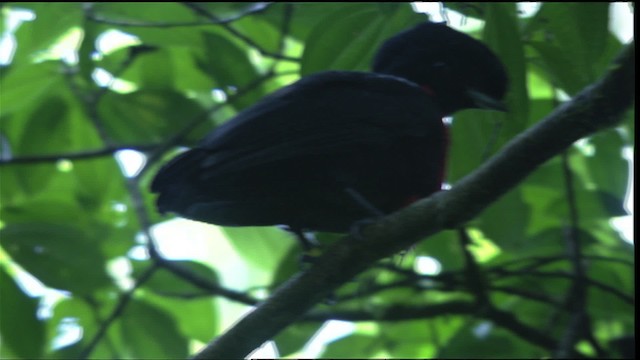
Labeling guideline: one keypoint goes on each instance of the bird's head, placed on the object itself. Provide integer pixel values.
(459, 71)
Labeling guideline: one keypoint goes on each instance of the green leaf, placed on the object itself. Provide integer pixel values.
(75, 312)
(628, 127)
(473, 135)
(191, 77)
(155, 70)
(608, 169)
(580, 29)
(342, 45)
(193, 308)
(498, 342)
(445, 247)
(288, 266)
(22, 332)
(50, 253)
(46, 132)
(348, 38)
(149, 14)
(264, 247)
(96, 190)
(612, 205)
(553, 241)
(150, 332)
(53, 20)
(196, 318)
(261, 32)
(227, 65)
(146, 116)
(11, 191)
(558, 64)
(475, 10)
(232, 10)
(306, 16)
(23, 85)
(574, 42)
(502, 34)
(86, 52)
(164, 281)
(294, 337)
(506, 220)
(45, 208)
(541, 201)
(591, 205)
(355, 345)
(539, 109)
(602, 303)
(410, 339)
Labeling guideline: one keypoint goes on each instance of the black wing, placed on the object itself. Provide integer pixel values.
(326, 113)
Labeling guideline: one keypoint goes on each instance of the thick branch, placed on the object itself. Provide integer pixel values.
(597, 107)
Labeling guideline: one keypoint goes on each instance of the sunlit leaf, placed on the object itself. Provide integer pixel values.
(27, 340)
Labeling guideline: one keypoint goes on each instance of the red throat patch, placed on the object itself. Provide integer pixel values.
(427, 90)
(445, 150)
(410, 200)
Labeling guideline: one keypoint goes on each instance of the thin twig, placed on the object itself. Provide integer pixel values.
(539, 261)
(287, 14)
(89, 101)
(474, 280)
(117, 311)
(80, 155)
(206, 284)
(510, 322)
(256, 9)
(597, 284)
(396, 313)
(527, 295)
(198, 9)
(576, 297)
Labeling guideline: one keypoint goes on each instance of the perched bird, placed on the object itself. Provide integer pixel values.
(337, 147)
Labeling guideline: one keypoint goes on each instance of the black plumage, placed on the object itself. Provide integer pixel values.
(336, 146)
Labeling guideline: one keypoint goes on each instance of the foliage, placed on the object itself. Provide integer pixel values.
(72, 218)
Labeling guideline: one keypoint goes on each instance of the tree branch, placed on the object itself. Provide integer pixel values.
(198, 9)
(588, 281)
(597, 107)
(117, 312)
(576, 297)
(206, 284)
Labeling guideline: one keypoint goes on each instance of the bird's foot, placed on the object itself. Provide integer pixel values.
(310, 246)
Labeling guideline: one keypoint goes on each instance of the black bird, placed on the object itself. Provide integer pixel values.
(337, 147)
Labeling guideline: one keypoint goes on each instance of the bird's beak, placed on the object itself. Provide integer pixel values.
(485, 101)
